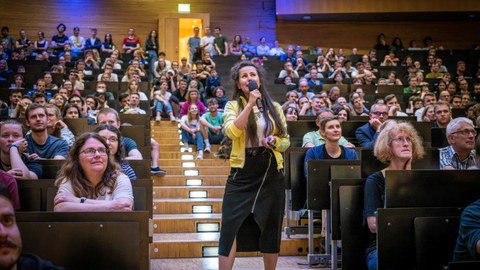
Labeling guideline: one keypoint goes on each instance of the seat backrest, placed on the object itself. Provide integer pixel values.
(33, 194)
(370, 164)
(318, 181)
(97, 240)
(395, 252)
(295, 176)
(336, 184)
(297, 129)
(141, 168)
(354, 233)
(431, 188)
(435, 239)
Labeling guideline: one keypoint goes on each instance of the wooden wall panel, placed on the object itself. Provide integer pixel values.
(353, 6)
(363, 34)
(247, 17)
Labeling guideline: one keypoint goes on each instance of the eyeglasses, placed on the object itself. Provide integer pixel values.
(402, 139)
(380, 113)
(90, 152)
(466, 132)
(111, 139)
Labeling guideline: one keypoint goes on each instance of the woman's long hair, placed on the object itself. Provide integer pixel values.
(268, 105)
(73, 172)
(120, 154)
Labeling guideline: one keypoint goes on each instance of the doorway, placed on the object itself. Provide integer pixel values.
(175, 29)
(186, 26)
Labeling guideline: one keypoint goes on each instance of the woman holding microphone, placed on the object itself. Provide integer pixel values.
(254, 199)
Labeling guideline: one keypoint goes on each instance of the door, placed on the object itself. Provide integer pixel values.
(174, 31)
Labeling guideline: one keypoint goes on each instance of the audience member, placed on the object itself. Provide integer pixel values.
(467, 246)
(91, 180)
(56, 127)
(40, 145)
(131, 43)
(191, 129)
(212, 129)
(248, 48)
(113, 137)
(315, 138)
(207, 42)
(13, 146)
(368, 133)
(398, 145)
(220, 42)
(460, 154)
(443, 114)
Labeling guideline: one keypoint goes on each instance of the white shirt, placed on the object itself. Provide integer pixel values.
(210, 48)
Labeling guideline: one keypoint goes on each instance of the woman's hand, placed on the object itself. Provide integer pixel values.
(119, 206)
(253, 96)
(269, 142)
(64, 196)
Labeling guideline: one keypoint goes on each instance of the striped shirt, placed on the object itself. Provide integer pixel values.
(448, 157)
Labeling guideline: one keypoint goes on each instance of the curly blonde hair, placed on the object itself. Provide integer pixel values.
(383, 149)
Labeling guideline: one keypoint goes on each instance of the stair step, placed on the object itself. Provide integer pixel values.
(182, 223)
(162, 140)
(206, 161)
(181, 180)
(184, 245)
(185, 192)
(175, 147)
(164, 124)
(185, 206)
(207, 170)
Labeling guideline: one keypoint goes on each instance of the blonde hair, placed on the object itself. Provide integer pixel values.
(383, 149)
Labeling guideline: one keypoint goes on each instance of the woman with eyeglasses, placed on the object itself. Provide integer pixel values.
(397, 146)
(113, 137)
(91, 180)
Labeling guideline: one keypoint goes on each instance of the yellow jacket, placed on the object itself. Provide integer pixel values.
(237, 156)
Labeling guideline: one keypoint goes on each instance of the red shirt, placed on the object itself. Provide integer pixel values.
(10, 182)
(131, 42)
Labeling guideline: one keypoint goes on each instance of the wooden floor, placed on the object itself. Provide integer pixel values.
(241, 263)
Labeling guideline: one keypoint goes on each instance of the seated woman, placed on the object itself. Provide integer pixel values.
(91, 180)
(193, 97)
(71, 111)
(331, 131)
(191, 129)
(398, 145)
(113, 137)
(134, 87)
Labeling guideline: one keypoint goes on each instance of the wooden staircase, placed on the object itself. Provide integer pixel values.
(178, 232)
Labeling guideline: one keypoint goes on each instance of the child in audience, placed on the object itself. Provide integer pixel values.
(213, 81)
(193, 97)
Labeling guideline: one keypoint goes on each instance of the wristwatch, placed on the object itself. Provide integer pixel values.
(82, 199)
(14, 145)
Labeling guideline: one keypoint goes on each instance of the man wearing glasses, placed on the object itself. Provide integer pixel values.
(459, 155)
(368, 133)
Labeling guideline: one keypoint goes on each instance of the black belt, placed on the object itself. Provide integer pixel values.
(256, 151)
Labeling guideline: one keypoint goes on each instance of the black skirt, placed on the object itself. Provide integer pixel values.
(253, 205)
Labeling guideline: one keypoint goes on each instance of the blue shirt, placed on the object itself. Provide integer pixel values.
(468, 234)
(52, 147)
(319, 152)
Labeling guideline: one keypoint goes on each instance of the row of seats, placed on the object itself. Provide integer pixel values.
(408, 237)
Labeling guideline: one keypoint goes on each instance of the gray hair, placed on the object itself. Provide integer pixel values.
(455, 124)
(374, 106)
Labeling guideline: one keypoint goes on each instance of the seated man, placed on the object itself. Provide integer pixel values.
(133, 105)
(109, 116)
(304, 89)
(40, 144)
(468, 240)
(394, 108)
(40, 88)
(315, 138)
(459, 155)
(428, 99)
(11, 255)
(102, 89)
(15, 96)
(443, 114)
(213, 125)
(368, 133)
(12, 145)
(109, 70)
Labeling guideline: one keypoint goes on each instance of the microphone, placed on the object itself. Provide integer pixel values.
(252, 85)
